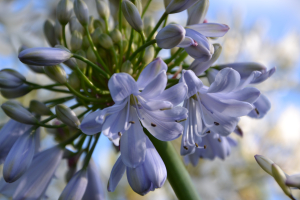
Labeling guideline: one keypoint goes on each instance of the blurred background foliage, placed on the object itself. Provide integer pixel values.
(261, 31)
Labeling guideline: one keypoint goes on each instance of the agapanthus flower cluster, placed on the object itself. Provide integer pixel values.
(136, 99)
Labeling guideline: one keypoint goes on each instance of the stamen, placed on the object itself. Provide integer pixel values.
(204, 146)
(219, 139)
(137, 108)
(216, 123)
(208, 132)
(257, 112)
(180, 120)
(131, 122)
(196, 145)
(185, 147)
(120, 134)
(152, 124)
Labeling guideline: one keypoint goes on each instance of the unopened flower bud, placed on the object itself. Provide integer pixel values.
(90, 55)
(170, 36)
(10, 78)
(74, 81)
(132, 15)
(82, 12)
(149, 55)
(91, 24)
(116, 36)
(167, 2)
(105, 41)
(75, 25)
(49, 33)
(43, 56)
(56, 73)
(103, 9)
(127, 67)
(149, 24)
(39, 108)
(280, 178)
(80, 63)
(58, 31)
(76, 40)
(67, 116)
(197, 13)
(12, 93)
(176, 6)
(85, 42)
(96, 34)
(293, 181)
(264, 163)
(138, 5)
(99, 23)
(71, 63)
(64, 11)
(17, 112)
(125, 45)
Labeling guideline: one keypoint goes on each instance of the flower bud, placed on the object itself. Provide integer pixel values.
(197, 13)
(293, 181)
(99, 23)
(90, 55)
(103, 9)
(39, 108)
(264, 163)
(176, 6)
(149, 55)
(138, 5)
(17, 112)
(76, 187)
(149, 24)
(75, 25)
(132, 15)
(85, 42)
(58, 31)
(50, 33)
(76, 41)
(71, 63)
(10, 78)
(64, 11)
(80, 63)
(67, 116)
(82, 12)
(116, 36)
(19, 157)
(127, 67)
(56, 73)
(105, 41)
(174, 50)
(44, 56)
(12, 93)
(125, 45)
(74, 81)
(167, 2)
(91, 24)
(96, 34)
(280, 178)
(170, 36)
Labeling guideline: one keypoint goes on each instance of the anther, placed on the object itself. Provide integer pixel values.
(208, 132)
(204, 146)
(219, 139)
(196, 145)
(257, 112)
(216, 123)
(152, 124)
(131, 122)
(120, 134)
(181, 120)
(185, 147)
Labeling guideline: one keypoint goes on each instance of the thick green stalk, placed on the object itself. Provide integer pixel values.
(130, 43)
(157, 26)
(173, 56)
(146, 8)
(121, 41)
(141, 48)
(178, 176)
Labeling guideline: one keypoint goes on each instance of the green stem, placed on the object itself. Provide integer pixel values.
(146, 8)
(130, 43)
(106, 25)
(96, 67)
(95, 49)
(157, 26)
(63, 99)
(115, 58)
(70, 140)
(64, 35)
(121, 41)
(173, 56)
(141, 48)
(165, 22)
(89, 155)
(178, 176)
(178, 61)
(49, 87)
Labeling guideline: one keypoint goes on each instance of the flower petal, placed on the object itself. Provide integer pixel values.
(186, 42)
(111, 110)
(262, 106)
(175, 114)
(150, 72)
(248, 94)
(156, 86)
(89, 125)
(210, 29)
(192, 81)
(116, 175)
(226, 81)
(155, 105)
(138, 180)
(122, 85)
(264, 76)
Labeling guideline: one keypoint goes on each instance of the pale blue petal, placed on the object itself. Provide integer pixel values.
(89, 125)
(19, 158)
(156, 86)
(133, 143)
(116, 175)
(76, 187)
(264, 76)
(186, 42)
(193, 83)
(138, 180)
(226, 81)
(111, 110)
(175, 94)
(210, 29)
(176, 6)
(248, 94)
(173, 115)
(155, 105)
(262, 106)
(150, 72)
(122, 85)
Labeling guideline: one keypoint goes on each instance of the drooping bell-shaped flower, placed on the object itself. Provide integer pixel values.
(148, 176)
(37, 177)
(19, 157)
(261, 106)
(9, 134)
(44, 56)
(10, 78)
(176, 6)
(94, 189)
(76, 187)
